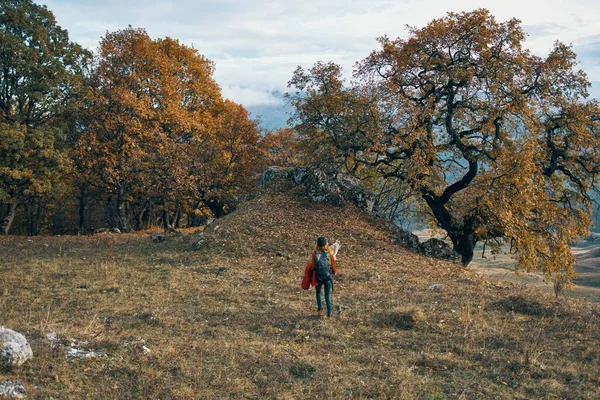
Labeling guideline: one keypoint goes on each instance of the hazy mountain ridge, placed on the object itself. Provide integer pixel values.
(272, 116)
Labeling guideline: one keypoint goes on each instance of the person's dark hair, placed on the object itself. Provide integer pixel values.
(321, 241)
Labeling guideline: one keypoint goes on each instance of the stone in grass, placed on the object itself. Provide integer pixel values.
(12, 390)
(73, 353)
(53, 340)
(436, 287)
(158, 237)
(14, 348)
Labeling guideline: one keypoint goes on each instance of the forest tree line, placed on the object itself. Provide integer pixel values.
(459, 122)
(132, 135)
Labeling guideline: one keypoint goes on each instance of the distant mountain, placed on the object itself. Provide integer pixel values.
(271, 116)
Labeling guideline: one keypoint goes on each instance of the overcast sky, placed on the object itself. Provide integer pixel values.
(257, 44)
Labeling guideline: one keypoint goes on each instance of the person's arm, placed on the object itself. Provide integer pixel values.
(333, 263)
(307, 280)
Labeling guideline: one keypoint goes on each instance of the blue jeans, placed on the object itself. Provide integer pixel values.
(328, 286)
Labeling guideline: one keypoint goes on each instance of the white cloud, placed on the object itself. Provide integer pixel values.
(257, 45)
(250, 96)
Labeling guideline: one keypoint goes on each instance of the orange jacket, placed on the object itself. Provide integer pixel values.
(310, 277)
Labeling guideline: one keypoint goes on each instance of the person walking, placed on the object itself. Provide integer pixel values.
(319, 273)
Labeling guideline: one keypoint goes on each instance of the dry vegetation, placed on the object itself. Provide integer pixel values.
(228, 319)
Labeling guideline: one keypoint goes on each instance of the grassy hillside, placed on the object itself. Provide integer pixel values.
(228, 319)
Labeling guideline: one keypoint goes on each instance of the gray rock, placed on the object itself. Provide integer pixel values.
(12, 390)
(272, 173)
(347, 182)
(76, 353)
(407, 239)
(354, 192)
(53, 339)
(299, 175)
(436, 287)
(14, 348)
(321, 189)
(437, 248)
(343, 189)
(138, 344)
(158, 237)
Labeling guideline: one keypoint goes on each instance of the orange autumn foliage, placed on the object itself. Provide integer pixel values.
(500, 145)
(156, 130)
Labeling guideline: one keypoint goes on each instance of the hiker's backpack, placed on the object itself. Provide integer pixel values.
(322, 266)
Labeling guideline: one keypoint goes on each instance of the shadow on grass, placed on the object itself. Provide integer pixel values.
(402, 320)
(521, 305)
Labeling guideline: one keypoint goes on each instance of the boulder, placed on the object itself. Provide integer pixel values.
(407, 239)
(272, 173)
(14, 348)
(158, 237)
(353, 190)
(299, 175)
(12, 390)
(437, 248)
(322, 189)
(343, 189)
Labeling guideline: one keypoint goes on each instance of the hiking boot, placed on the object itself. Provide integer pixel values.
(320, 312)
(330, 316)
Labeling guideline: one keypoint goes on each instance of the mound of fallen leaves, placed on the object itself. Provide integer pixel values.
(221, 314)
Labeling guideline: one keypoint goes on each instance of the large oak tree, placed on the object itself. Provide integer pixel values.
(500, 145)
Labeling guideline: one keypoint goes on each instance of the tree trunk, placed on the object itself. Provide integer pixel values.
(121, 211)
(34, 209)
(165, 220)
(29, 216)
(139, 219)
(177, 218)
(146, 217)
(464, 244)
(81, 200)
(463, 237)
(8, 218)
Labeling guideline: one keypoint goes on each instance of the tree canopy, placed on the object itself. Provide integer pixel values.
(40, 70)
(500, 145)
(139, 128)
(155, 129)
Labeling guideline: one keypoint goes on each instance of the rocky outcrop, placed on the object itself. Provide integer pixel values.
(322, 189)
(406, 239)
(437, 248)
(339, 190)
(353, 190)
(299, 175)
(12, 390)
(14, 348)
(273, 173)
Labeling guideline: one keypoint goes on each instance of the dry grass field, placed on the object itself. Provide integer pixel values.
(227, 318)
(501, 267)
